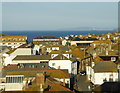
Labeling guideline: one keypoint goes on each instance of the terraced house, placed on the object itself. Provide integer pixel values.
(12, 41)
(34, 77)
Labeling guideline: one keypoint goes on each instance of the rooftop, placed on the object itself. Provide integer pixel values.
(9, 37)
(60, 57)
(32, 57)
(11, 51)
(26, 45)
(102, 41)
(55, 73)
(46, 37)
(105, 66)
(86, 39)
(1, 35)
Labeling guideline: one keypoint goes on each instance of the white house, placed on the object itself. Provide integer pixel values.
(10, 55)
(12, 83)
(105, 71)
(31, 59)
(57, 61)
(36, 49)
(13, 41)
(63, 61)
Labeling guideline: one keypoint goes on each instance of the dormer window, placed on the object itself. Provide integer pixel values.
(113, 59)
(9, 43)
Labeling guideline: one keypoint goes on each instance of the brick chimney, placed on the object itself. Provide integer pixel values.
(40, 79)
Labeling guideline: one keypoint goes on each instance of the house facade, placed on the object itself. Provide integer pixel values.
(104, 71)
(13, 41)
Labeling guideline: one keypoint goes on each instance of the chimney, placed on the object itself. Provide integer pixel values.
(107, 52)
(41, 88)
(40, 79)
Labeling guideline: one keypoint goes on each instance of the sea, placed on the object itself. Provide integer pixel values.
(33, 34)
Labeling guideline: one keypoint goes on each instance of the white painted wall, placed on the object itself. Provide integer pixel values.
(64, 41)
(27, 61)
(19, 51)
(46, 39)
(99, 77)
(7, 60)
(64, 64)
(13, 45)
(55, 48)
(75, 42)
(74, 68)
(2, 86)
(48, 50)
(89, 72)
(13, 86)
(36, 48)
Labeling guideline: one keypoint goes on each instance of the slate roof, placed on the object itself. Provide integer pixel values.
(65, 48)
(101, 41)
(12, 37)
(27, 67)
(32, 57)
(46, 37)
(55, 73)
(53, 88)
(105, 66)
(50, 74)
(11, 51)
(86, 39)
(60, 57)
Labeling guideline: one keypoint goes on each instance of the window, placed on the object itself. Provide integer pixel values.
(53, 64)
(16, 79)
(110, 79)
(105, 80)
(3, 39)
(14, 39)
(113, 59)
(9, 39)
(33, 66)
(9, 43)
(43, 66)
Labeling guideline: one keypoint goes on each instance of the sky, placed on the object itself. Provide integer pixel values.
(33, 16)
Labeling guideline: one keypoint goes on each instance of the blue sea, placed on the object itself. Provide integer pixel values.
(33, 34)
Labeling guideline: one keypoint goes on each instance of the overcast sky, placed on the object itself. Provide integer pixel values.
(59, 15)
